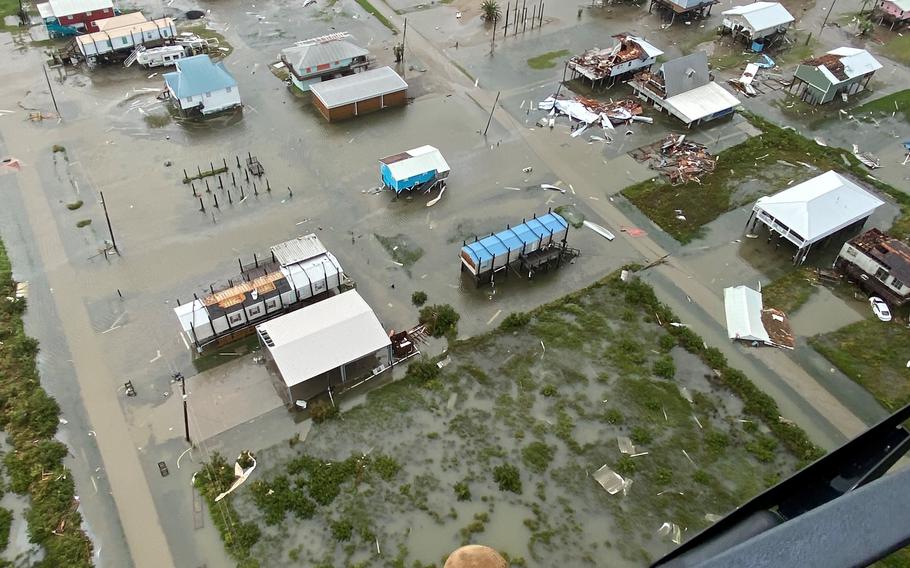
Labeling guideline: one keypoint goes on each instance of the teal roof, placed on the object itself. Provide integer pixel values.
(198, 75)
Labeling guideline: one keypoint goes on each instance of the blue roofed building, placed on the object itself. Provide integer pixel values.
(199, 85)
(420, 168)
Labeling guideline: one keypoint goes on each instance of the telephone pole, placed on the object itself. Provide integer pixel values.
(108, 218)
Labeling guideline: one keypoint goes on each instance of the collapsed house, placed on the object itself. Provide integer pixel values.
(73, 17)
(301, 271)
(685, 89)
(361, 93)
(879, 263)
(201, 86)
(326, 346)
(322, 58)
(629, 55)
(748, 320)
(589, 112)
(811, 211)
(534, 245)
(844, 71)
(419, 169)
(759, 23)
(682, 160)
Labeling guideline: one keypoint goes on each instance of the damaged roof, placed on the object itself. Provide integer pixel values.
(304, 55)
(889, 251)
(685, 73)
(843, 63)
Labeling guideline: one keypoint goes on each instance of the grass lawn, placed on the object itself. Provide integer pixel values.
(365, 4)
(8, 8)
(874, 354)
(547, 60)
(894, 104)
(752, 163)
(898, 48)
(799, 52)
(790, 291)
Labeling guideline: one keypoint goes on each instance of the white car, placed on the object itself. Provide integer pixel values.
(880, 308)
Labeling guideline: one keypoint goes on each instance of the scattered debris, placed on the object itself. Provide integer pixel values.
(240, 473)
(591, 111)
(672, 530)
(867, 159)
(599, 230)
(625, 445)
(611, 481)
(552, 187)
(679, 159)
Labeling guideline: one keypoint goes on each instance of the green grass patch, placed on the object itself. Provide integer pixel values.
(200, 173)
(874, 354)
(218, 355)
(798, 53)
(8, 8)
(365, 4)
(547, 60)
(790, 291)
(897, 104)
(58, 148)
(401, 249)
(83, 223)
(74, 205)
(898, 48)
(755, 161)
(158, 120)
(34, 464)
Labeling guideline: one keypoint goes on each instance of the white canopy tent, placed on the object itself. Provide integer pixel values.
(817, 208)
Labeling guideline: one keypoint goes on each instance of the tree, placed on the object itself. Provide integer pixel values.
(440, 319)
(490, 11)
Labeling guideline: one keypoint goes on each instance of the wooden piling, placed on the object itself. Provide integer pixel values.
(207, 189)
(201, 205)
(220, 185)
(238, 160)
(242, 196)
(230, 200)
(193, 187)
(215, 195)
(233, 181)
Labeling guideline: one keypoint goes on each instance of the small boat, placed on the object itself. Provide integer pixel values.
(599, 230)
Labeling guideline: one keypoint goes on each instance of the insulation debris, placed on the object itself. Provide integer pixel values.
(591, 111)
(679, 159)
(671, 530)
(612, 481)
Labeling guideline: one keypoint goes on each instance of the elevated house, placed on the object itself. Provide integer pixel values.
(879, 263)
(895, 11)
(842, 71)
(300, 272)
(417, 169)
(630, 55)
(72, 17)
(332, 344)
(758, 23)
(201, 86)
(684, 88)
(323, 58)
(360, 93)
(812, 211)
(119, 36)
(685, 9)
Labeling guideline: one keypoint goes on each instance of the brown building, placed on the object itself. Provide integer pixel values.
(362, 93)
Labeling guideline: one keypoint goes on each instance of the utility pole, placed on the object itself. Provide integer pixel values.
(404, 35)
(109, 228)
(493, 38)
(51, 89)
(489, 120)
(827, 15)
(186, 416)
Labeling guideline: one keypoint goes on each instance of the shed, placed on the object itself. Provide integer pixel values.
(336, 342)
(360, 93)
(408, 170)
(845, 70)
(743, 307)
(757, 20)
(817, 208)
(199, 84)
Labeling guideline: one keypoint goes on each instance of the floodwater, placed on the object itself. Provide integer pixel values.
(104, 320)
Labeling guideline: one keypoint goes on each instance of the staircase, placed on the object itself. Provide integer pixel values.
(134, 55)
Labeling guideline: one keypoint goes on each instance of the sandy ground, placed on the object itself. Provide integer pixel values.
(171, 250)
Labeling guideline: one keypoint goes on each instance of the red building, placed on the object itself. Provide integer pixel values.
(79, 15)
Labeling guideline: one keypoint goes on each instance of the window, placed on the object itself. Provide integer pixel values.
(255, 311)
(850, 251)
(125, 40)
(881, 274)
(165, 33)
(208, 95)
(228, 90)
(88, 13)
(108, 42)
(896, 284)
(271, 304)
(235, 318)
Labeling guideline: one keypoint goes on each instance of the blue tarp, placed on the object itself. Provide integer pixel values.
(514, 239)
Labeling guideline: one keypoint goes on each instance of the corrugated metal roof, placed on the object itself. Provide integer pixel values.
(120, 21)
(856, 62)
(515, 238)
(418, 161)
(302, 56)
(70, 7)
(743, 307)
(137, 30)
(298, 250)
(45, 10)
(323, 336)
(685, 73)
(197, 75)
(703, 101)
(820, 206)
(358, 87)
(761, 16)
(649, 49)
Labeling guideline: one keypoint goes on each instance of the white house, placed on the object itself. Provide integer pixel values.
(757, 20)
(203, 86)
(630, 54)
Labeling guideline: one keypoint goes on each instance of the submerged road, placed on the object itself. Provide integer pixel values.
(828, 421)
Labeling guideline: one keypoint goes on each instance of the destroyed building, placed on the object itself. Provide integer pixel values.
(879, 263)
(629, 55)
(685, 89)
(749, 321)
(843, 71)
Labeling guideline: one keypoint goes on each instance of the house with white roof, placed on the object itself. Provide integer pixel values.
(684, 88)
(757, 20)
(323, 58)
(200, 85)
(809, 212)
(844, 71)
(71, 17)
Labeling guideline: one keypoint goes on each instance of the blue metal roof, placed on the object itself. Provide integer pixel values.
(198, 75)
(515, 238)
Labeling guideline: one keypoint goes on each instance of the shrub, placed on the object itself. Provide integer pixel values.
(641, 435)
(548, 390)
(515, 321)
(717, 442)
(462, 491)
(508, 478)
(537, 456)
(613, 416)
(763, 448)
(423, 370)
(6, 521)
(663, 476)
(626, 466)
(667, 342)
(58, 148)
(83, 223)
(664, 367)
(386, 467)
(342, 530)
(74, 205)
(440, 319)
(419, 298)
(322, 410)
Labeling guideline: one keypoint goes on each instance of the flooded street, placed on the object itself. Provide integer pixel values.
(107, 319)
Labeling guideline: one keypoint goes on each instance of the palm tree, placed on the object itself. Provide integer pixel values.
(490, 11)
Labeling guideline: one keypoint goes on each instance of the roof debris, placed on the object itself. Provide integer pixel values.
(679, 159)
